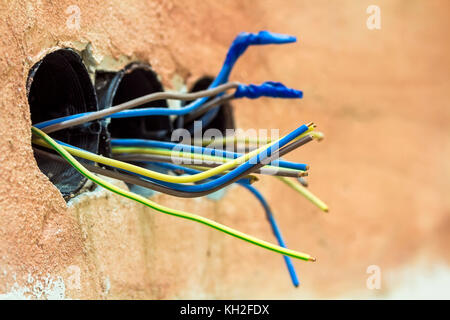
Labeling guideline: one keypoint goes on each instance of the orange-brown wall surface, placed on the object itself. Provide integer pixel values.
(381, 97)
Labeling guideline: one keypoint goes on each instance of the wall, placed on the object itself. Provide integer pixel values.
(381, 98)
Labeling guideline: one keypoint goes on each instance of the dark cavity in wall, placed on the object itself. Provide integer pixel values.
(58, 86)
(135, 80)
(113, 88)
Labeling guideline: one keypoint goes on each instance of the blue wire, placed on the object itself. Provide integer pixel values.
(276, 231)
(236, 171)
(233, 173)
(237, 48)
(245, 183)
(196, 149)
(267, 89)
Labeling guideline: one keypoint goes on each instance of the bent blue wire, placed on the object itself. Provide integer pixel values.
(267, 89)
(241, 43)
(273, 224)
(197, 149)
(237, 48)
(276, 231)
(236, 171)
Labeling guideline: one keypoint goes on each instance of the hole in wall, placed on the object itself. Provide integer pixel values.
(113, 88)
(223, 119)
(135, 80)
(57, 86)
(105, 86)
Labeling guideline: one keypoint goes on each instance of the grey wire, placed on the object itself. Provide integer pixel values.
(182, 194)
(208, 106)
(303, 182)
(139, 101)
(272, 171)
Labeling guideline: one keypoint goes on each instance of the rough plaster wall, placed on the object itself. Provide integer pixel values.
(381, 97)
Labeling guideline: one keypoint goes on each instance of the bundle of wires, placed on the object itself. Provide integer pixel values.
(199, 170)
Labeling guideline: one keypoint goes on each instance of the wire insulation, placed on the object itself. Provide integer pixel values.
(266, 170)
(251, 158)
(178, 213)
(306, 193)
(80, 118)
(276, 231)
(180, 147)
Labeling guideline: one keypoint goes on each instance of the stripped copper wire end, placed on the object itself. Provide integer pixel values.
(303, 174)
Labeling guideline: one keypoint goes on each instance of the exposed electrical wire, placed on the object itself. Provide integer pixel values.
(266, 170)
(266, 89)
(299, 167)
(251, 158)
(142, 182)
(80, 118)
(178, 149)
(235, 174)
(199, 169)
(208, 106)
(153, 186)
(276, 231)
(240, 235)
(247, 167)
(223, 141)
(237, 48)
